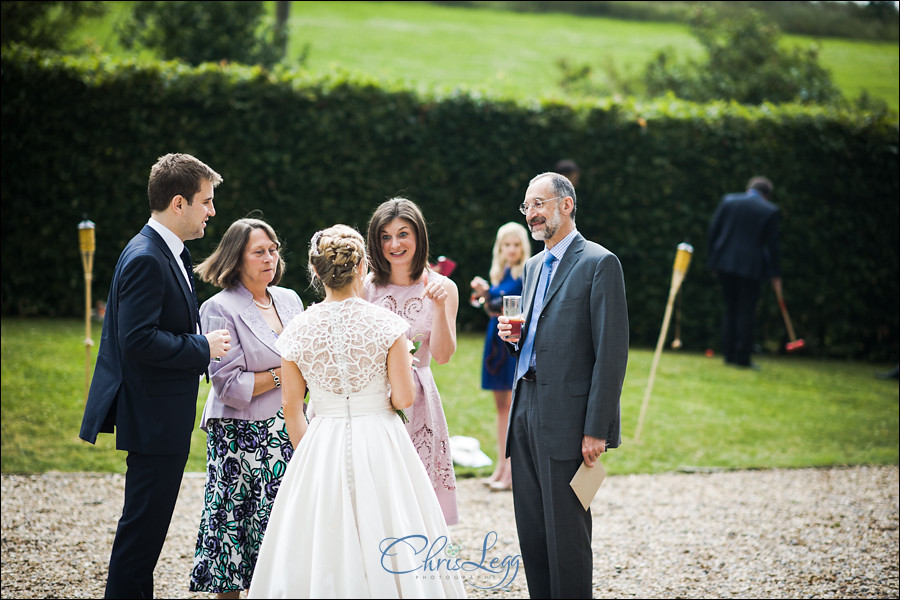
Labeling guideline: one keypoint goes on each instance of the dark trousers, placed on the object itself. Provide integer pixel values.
(554, 529)
(741, 295)
(152, 482)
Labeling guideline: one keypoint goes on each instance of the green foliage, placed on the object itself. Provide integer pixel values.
(745, 62)
(310, 152)
(853, 20)
(581, 80)
(501, 54)
(199, 31)
(44, 24)
(876, 20)
(702, 413)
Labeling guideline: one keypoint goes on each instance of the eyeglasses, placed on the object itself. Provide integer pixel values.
(538, 203)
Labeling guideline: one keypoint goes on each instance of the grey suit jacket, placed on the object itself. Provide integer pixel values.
(252, 350)
(581, 348)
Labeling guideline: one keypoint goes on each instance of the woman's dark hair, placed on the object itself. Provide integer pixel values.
(396, 208)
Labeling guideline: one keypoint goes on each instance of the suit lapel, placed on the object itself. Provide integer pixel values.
(532, 275)
(569, 259)
(254, 321)
(177, 268)
(285, 312)
(256, 324)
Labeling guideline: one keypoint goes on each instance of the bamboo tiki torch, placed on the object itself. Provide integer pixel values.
(679, 270)
(87, 245)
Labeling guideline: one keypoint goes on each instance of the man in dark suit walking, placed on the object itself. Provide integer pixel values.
(149, 364)
(743, 249)
(565, 409)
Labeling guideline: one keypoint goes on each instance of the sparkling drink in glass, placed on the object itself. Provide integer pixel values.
(512, 308)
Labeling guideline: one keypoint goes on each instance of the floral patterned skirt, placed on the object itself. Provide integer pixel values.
(245, 462)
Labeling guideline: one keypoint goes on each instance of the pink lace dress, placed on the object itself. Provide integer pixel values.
(427, 424)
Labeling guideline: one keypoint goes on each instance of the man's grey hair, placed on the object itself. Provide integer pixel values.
(561, 187)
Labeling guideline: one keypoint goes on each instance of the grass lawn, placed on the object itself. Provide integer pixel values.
(501, 53)
(795, 412)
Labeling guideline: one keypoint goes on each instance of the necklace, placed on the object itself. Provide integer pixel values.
(264, 306)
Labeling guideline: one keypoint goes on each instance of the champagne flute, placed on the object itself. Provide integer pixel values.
(215, 324)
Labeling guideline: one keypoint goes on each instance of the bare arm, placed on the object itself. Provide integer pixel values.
(443, 326)
(293, 390)
(403, 388)
(263, 381)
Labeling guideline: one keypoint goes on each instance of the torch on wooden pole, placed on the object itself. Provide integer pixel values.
(679, 270)
(87, 244)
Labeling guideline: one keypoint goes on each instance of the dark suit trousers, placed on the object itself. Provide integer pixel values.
(741, 295)
(554, 529)
(152, 482)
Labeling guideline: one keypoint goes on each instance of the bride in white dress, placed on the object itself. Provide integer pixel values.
(356, 515)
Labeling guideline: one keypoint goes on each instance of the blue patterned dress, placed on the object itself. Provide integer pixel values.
(246, 461)
(498, 368)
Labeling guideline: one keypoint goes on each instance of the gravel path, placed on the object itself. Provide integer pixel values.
(804, 533)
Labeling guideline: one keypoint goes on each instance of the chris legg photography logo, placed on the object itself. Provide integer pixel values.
(434, 559)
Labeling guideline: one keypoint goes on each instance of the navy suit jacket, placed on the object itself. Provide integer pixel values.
(150, 358)
(581, 348)
(742, 238)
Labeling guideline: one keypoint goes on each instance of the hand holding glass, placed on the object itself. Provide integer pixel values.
(215, 324)
(512, 308)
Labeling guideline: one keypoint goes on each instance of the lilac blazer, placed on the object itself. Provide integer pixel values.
(252, 350)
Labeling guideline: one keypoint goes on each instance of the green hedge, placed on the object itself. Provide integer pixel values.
(79, 136)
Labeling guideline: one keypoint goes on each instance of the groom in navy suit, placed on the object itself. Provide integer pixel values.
(149, 363)
(565, 408)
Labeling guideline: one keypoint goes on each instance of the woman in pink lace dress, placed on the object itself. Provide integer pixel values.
(401, 281)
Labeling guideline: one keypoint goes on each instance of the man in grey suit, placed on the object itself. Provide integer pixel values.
(565, 409)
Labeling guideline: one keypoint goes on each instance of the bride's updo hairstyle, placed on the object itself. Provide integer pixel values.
(333, 255)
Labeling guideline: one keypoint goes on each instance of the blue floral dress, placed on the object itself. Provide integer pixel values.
(246, 461)
(498, 368)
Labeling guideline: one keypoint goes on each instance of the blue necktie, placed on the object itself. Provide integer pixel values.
(525, 355)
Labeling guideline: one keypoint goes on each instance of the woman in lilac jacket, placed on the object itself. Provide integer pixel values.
(248, 447)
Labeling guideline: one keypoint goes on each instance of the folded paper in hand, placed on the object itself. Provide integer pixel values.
(587, 481)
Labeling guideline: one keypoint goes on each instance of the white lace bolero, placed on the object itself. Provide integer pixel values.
(341, 347)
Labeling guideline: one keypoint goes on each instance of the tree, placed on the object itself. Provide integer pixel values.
(282, 11)
(881, 10)
(744, 62)
(43, 24)
(204, 31)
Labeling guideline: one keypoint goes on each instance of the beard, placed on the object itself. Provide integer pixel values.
(551, 226)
